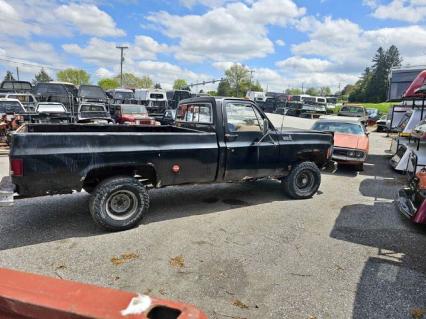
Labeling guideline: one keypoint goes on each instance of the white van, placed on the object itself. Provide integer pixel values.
(155, 101)
(256, 96)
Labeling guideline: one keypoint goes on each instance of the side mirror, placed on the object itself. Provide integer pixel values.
(265, 126)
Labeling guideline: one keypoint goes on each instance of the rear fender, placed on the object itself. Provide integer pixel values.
(146, 172)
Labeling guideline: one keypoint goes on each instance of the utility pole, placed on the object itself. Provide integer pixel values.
(302, 87)
(17, 72)
(122, 48)
(251, 76)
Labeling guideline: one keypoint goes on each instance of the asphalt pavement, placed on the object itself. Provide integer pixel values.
(241, 250)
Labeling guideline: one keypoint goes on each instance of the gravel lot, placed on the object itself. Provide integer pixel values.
(241, 250)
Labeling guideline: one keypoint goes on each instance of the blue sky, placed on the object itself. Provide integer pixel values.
(288, 43)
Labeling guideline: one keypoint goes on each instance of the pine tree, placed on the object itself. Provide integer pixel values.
(42, 76)
(9, 76)
(224, 88)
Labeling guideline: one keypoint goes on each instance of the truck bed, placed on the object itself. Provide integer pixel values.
(60, 158)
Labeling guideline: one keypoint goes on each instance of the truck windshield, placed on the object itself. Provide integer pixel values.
(340, 127)
(120, 95)
(156, 96)
(17, 86)
(92, 92)
(133, 109)
(92, 108)
(58, 108)
(352, 109)
(11, 107)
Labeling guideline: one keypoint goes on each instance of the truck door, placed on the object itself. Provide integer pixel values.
(247, 154)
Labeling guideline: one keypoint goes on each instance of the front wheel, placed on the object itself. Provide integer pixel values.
(119, 203)
(303, 181)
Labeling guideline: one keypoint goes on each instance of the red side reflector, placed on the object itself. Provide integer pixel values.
(17, 167)
(175, 168)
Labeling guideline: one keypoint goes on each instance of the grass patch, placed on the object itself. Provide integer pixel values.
(382, 107)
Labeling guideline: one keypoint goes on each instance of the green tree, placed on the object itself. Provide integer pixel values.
(108, 83)
(238, 78)
(180, 84)
(132, 81)
(312, 91)
(255, 87)
(373, 84)
(293, 91)
(9, 76)
(325, 91)
(75, 76)
(212, 93)
(224, 88)
(42, 76)
(157, 86)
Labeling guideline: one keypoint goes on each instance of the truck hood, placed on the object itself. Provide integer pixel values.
(351, 141)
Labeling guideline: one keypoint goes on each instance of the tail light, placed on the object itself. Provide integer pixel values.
(17, 167)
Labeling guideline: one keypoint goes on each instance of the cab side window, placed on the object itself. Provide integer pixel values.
(242, 117)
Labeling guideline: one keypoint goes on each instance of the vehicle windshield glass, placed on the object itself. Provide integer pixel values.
(11, 107)
(156, 96)
(92, 92)
(340, 127)
(332, 100)
(133, 109)
(371, 111)
(352, 109)
(123, 95)
(71, 89)
(92, 108)
(50, 108)
(170, 95)
(17, 86)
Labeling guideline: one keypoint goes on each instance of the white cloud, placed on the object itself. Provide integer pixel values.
(370, 3)
(300, 64)
(206, 3)
(104, 73)
(49, 18)
(102, 52)
(89, 19)
(280, 43)
(412, 11)
(223, 65)
(234, 32)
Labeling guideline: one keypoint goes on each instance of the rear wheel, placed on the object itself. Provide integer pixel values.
(119, 203)
(303, 181)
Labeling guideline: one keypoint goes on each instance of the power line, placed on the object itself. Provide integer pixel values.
(8, 59)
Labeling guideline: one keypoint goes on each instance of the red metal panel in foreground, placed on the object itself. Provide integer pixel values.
(24, 295)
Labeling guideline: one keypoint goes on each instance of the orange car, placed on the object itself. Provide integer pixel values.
(350, 140)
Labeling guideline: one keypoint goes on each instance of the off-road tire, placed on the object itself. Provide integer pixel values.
(291, 184)
(105, 192)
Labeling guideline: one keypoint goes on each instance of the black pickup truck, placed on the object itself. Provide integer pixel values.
(214, 140)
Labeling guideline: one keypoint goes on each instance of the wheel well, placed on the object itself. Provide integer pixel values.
(145, 173)
(316, 157)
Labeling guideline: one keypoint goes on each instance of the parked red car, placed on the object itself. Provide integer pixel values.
(133, 114)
